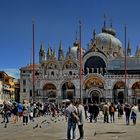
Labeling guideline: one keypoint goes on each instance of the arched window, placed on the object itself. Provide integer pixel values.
(52, 73)
(70, 72)
(94, 63)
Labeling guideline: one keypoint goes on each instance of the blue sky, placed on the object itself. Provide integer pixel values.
(57, 20)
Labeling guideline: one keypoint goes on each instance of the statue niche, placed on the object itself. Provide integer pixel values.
(70, 65)
(51, 66)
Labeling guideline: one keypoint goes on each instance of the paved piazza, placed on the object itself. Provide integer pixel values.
(55, 129)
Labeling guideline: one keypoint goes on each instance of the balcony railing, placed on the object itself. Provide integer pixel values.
(134, 76)
(61, 77)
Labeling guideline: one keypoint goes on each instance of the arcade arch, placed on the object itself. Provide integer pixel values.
(119, 92)
(49, 90)
(136, 92)
(68, 90)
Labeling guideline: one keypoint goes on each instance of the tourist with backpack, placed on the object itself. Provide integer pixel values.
(127, 109)
(70, 112)
(106, 112)
(112, 110)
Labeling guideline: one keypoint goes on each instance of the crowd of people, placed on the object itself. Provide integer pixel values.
(26, 111)
(108, 110)
(94, 112)
(75, 113)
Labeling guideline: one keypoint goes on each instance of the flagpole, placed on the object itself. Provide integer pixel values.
(33, 53)
(125, 66)
(80, 35)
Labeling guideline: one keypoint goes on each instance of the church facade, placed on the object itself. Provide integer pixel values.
(107, 73)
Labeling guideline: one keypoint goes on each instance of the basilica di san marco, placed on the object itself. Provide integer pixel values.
(110, 73)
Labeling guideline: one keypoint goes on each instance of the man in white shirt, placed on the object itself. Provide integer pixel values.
(71, 125)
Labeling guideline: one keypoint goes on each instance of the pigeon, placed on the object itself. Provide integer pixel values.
(95, 133)
(43, 121)
(52, 119)
(35, 126)
(5, 126)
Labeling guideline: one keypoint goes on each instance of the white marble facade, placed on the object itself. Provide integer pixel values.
(103, 72)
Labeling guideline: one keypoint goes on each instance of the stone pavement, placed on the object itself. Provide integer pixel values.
(55, 129)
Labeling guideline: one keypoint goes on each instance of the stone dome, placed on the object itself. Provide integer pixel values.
(104, 39)
(74, 50)
(107, 42)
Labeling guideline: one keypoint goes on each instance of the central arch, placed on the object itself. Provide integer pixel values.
(94, 87)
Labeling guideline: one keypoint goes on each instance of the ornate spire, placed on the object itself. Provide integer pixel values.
(49, 51)
(104, 21)
(60, 52)
(42, 53)
(128, 49)
(129, 46)
(111, 22)
(104, 26)
(76, 36)
(76, 42)
(54, 54)
(137, 51)
(60, 45)
(42, 47)
(94, 47)
(94, 34)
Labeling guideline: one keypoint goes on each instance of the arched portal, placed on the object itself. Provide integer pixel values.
(68, 90)
(118, 92)
(49, 91)
(94, 85)
(136, 93)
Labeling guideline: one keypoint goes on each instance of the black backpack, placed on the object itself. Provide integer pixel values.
(74, 117)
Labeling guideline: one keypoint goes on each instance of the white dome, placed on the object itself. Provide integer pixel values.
(73, 51)
(106, 41)
(103, 39)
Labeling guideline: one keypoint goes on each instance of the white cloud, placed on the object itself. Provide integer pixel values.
(12, 72)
